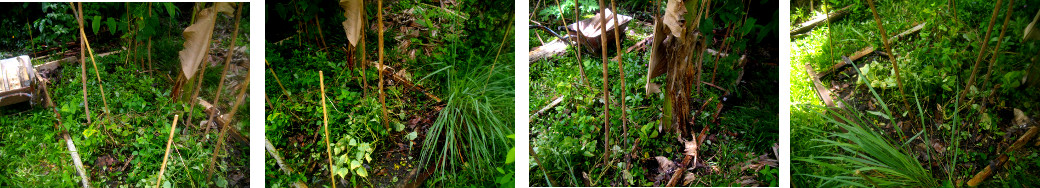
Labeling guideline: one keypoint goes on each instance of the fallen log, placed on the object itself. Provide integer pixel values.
(1020, 119)
(551, 49)
(809, 25)
(281, 163)
(868, 50)
(64, 134)
(555, 102)
(822, 91)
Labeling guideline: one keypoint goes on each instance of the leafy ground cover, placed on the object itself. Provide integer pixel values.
(876, 136)
(567, 138)
(126, 147)
(447, 88)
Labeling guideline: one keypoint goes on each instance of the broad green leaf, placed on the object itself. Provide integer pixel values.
(355, 164)
(362, 172)
(510, 157)
(411, 136)
(96, 24)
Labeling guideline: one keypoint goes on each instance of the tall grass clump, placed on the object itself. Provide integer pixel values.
(469, 135)
(874, 160)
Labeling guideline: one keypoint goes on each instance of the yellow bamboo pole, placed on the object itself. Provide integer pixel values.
(94, 62)
(325, 112)
(162, 169)
(82, 62)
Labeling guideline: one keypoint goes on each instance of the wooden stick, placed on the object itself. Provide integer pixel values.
(150, 49)
(223, 130)
(809, 25)
(1002, 159)
(272, 73)
(82, 62)
(996, 48)
(227, 61)
(382, 95)
(325, 112)
(541, 166)
(162, 169)
(94, 62)
(581, 66)
(606, 91)
(405, 82)
(888, 49)
(978, 60)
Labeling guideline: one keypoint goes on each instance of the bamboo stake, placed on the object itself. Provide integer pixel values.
(978, 60)
(166, 156)
(275, 79)
(577, 26)
(606, 94)
(223, 130)
(325, 112)
(621, 70)
(382, 95)
(82, 61)
(90, 51)
(888, 49)
(1003, 30)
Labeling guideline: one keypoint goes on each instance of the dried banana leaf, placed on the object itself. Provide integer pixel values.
(197, 37)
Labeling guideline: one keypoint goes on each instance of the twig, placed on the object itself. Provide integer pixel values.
(223, 131)
(173, 128)
(1003, 158)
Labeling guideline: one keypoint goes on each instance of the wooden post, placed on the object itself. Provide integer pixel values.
(162, 169)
